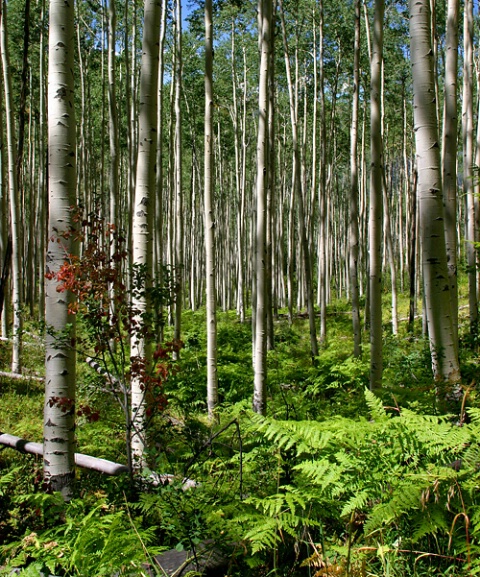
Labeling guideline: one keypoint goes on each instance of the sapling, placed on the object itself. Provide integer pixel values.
(104, 303)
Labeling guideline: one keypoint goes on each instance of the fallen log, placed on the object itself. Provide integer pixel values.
(81, 460)
(21, 377)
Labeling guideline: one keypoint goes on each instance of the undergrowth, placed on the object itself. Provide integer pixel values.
(333, 481)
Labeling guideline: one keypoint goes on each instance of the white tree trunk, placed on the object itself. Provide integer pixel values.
(210, 260)
(59, 408)
(468, 174)
(143, 219)
(449, 149)
(260, 346)
(353, 213)
(443, 345)
(178, 180)
(15, 218)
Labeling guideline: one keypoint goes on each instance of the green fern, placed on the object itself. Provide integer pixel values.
(393, 476)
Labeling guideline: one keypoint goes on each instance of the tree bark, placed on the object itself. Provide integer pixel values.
(260, 352)
(143, 221)
(210, 260)
(376, 198)
(178, 179)
(297, 192)
(59, 408)
(468, 184)
(353, 213)
(438, 310)
(14, 198)
(449, 149)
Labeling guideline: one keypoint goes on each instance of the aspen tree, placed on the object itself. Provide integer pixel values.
(5, 239)
(438, 311)
(210, 261)
(376, 204)
(143, 219)
(178, 180)
(297, 191)
(159, 196)
(260, 340)
(323, 276)
(468, 143)
(449, 151)
(14, 199)
(59, 408)
(113, 116)
(42, 173)
(271, 192)
(353, 213)
(240, 150)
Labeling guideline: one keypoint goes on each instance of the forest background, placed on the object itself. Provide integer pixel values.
(277, 199)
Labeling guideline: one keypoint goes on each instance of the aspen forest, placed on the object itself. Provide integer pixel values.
(239, 283)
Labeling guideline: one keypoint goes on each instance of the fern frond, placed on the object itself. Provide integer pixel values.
(429, 523)
(377, 412)
(323, 473)
(403, 499)
(356, 503)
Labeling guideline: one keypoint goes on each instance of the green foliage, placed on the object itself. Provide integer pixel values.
(387, 484)
(98, 539)
(335, 478)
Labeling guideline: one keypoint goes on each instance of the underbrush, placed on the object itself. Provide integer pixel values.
(333, 481)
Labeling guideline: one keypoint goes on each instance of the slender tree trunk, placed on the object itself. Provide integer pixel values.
(210, 261)
(178, 181)
(353, 214)
(412, 252)
(434, 257)
(323, 276)
(376, 197)
(239, 161)
(260, 356)
(42, 175)
(159, 184)
(114, 199)
(143, 219)
(391, 257)
(271, 196)
(113, 115)
(449, 149)
(14, 197)
(5, 237)
(468, 184)
(298, 192)
(59, 408)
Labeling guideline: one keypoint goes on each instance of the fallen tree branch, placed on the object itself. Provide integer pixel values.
(84, 461)
(20, 377)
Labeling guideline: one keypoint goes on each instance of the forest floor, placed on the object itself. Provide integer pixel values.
(333, 481)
